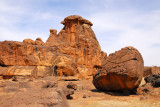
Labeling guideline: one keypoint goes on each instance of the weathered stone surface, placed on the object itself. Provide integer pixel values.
(64, 65)
(122, 70)
(75, 50)
(76, 18)
(17, 53)
(18, 58)
(39, 41)
(52, 37)
(78, 40)
(29, 41)
(34, 71)
(32, 93)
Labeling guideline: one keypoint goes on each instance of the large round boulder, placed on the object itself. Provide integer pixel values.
(122, 70)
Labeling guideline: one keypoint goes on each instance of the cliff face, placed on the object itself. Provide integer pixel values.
(74, 50)
(18, 53)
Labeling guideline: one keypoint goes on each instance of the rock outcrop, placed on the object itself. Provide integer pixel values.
(122, 70)
(74, 50)
(38, 41)
(23, 54)
(65, 66)
(29, 41)
(78, 40)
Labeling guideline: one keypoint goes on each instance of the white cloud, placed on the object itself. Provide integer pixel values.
(116, 23)
(140, 30)
(20, 19)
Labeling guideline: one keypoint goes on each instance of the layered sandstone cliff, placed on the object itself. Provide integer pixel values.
(74, 50)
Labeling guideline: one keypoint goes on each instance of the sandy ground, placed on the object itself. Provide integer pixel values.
(87, 96)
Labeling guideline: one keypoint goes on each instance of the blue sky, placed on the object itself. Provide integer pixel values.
(116, 23)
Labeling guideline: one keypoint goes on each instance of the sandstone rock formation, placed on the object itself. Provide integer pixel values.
(17, 53)
(52, 36)
(122, 70)
(29, 41)
(78, 40)
(25, 92)
(64, 65)
(18, 58)
(39, 41)
(74, 51)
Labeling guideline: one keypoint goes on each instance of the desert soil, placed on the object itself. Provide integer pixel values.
(87, 96)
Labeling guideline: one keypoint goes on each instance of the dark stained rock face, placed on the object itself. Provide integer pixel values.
(153, 79)
(122, 70)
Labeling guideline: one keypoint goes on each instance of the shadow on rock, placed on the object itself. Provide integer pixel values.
(115, 93)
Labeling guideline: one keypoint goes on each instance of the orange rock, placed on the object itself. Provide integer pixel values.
(122, 70)
(29, 41)
(64, 65)
(18, 53)
(39, 41)
(75, 50)
(52, 36)
(78, 40)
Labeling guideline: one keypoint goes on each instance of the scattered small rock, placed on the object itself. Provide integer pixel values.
(154, 79)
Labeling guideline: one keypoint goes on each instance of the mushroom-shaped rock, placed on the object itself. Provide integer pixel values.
(122, 70)
(77, 18)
